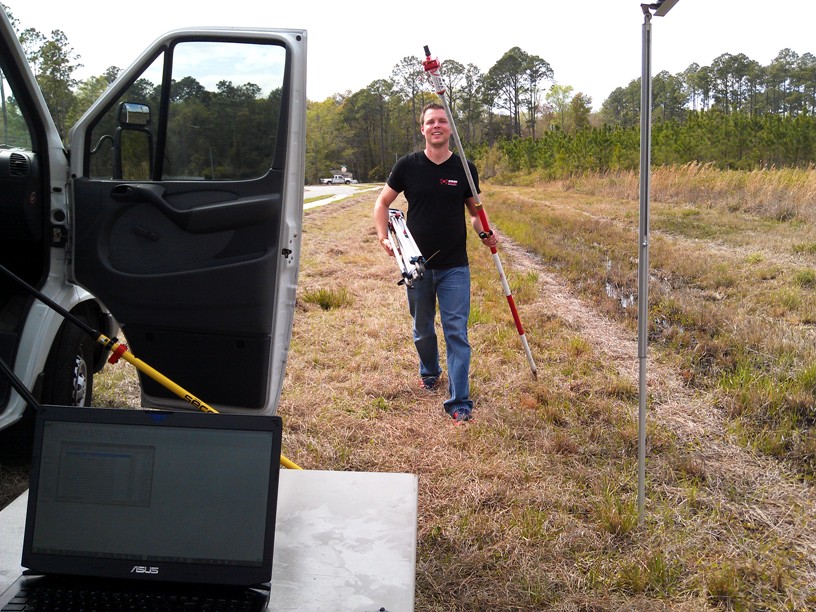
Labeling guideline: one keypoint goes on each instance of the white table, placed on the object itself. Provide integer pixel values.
(344, 541)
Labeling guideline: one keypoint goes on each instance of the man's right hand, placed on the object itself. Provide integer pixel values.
(386, 244)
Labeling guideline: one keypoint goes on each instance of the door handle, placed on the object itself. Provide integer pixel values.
(219, 216)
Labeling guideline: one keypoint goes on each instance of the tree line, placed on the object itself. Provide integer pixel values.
(727, 141)
(735, 113)
(731, 84)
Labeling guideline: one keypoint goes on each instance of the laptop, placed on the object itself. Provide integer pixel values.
(143, 507)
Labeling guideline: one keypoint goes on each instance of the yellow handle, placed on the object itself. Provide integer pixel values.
(120, 350)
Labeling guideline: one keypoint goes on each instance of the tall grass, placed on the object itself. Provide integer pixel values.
(774, 193)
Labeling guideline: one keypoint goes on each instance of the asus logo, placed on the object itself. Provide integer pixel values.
(143, 569)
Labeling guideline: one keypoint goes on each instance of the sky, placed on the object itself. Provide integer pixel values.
(593, 46)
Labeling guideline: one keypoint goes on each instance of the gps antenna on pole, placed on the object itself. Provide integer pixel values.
(432, 69)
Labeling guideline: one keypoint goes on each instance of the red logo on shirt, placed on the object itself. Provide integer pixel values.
(450, 182)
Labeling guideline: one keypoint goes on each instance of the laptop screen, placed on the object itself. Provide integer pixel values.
(181, 496)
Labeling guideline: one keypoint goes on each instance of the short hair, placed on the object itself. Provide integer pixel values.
(427, 107)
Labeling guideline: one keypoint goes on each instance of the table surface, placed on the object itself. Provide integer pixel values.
(343, 541)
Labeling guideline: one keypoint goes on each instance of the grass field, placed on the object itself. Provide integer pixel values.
(533, 506)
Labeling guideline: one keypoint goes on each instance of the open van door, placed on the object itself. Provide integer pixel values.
(186, 192)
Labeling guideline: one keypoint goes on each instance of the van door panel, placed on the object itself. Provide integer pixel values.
(187, 201)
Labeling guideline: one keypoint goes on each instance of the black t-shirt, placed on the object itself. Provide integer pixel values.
(436, 197)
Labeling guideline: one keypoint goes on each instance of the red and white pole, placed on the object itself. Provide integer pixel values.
(432, 70)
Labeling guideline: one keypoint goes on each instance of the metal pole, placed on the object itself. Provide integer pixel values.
(643, 243)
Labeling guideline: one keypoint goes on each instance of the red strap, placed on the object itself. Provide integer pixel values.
(116, 353)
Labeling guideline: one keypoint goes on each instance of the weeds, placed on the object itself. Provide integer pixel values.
(805, 278)
(328, 298)
(723, 588)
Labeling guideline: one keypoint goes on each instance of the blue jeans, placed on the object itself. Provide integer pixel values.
(451, 288)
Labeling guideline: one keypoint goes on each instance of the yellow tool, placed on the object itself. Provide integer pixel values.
(119, 350)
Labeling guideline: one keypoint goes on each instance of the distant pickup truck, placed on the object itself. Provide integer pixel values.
(338, 179)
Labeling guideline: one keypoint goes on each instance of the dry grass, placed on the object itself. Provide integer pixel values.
(13, 479)
(775, 193)
(533, 505)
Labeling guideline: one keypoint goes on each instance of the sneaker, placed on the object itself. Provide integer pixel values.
(461, 414)
(429, 383)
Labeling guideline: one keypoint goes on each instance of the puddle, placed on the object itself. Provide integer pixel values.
(626, 300)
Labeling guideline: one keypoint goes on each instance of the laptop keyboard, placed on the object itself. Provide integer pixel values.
(48, 598)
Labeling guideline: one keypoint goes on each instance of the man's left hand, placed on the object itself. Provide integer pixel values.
(489, 239)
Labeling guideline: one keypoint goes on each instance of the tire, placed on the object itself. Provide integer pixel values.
(67, 381)
(348, 182)
(68, 376)
(17, 441)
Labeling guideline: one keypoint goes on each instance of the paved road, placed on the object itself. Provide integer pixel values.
(332, 193)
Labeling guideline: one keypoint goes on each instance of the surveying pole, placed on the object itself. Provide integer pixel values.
(432, 70)
(660, 8)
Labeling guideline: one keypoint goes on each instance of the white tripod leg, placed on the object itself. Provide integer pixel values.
(409, 259)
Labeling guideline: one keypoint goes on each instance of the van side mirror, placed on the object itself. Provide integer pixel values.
(134, 115)
(133, 143)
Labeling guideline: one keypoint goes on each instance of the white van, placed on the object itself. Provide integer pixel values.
(173, 215)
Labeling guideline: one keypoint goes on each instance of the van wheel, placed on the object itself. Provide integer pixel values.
(68, 379)
(17, 441)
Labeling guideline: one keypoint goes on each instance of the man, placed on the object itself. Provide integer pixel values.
(437, 190)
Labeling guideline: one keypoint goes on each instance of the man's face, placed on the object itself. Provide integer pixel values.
(435, 127)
